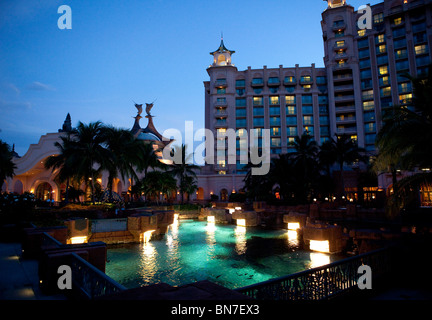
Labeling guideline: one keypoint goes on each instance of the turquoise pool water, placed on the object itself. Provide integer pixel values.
(225, 254)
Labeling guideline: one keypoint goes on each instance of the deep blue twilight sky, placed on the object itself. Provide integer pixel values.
(122, 51)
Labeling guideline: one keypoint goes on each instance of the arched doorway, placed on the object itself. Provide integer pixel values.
(44, 191)
(200, 193)
(224, 195)
(18, 187)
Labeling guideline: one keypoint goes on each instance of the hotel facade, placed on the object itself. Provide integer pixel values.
(363, 75)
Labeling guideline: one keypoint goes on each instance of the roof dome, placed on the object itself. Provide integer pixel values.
(147, 136)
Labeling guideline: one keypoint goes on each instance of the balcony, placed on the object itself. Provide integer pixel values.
(340, 45)
(346, 87)
(345, 109)
(290, 82)
(339, 26)
(220, 84)
(341, 66)
(344, 98)
(342, 77)
(220, 103)
(220, 167)
(341, 56)
(221, 123)
(222, 112)
(346, 130)
(344, 119)
(273, 83)
(257, 83)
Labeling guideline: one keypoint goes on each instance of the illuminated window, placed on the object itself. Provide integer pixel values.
(380, 38)
(383, 70)
(385, 92)
(381, 49)
(242, 133)
(361, 32)
(275, 131)
(384, 81)
(367, 95)
(258, 101)
(292, 131)
(404, 87)
(421, 49)
(397, 21)
(290, 110)
(289, 79)
(378, 18)
(405, 98)
(308, 120)
(368, 105)
(308, 78)
(221, 131)
(290, 99)
(274, 100)
(275, 142)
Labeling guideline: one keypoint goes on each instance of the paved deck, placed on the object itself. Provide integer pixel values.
(19, 278)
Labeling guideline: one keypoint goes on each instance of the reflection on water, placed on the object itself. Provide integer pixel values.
(318, 259)
(148, 261)
(293, 239)
(232, 256)
(240, 236)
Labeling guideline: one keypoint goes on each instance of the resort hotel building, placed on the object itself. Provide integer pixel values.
(363, 75)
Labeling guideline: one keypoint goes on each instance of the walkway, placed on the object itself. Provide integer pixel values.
(19, 278)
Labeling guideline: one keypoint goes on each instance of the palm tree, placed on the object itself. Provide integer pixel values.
(405, 138)
(305, 165)
(183, 169)
(158, 182)
(63, 162)
(7, 166)
(90, 156)
(257, 187)
(123, 154)
(148, 158)
(345, 151)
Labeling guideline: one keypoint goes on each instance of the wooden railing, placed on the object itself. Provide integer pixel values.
(323, 282)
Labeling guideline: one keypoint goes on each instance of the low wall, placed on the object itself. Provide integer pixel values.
(32, 239)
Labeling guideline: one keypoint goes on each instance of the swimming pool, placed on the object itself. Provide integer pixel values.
(228, 255)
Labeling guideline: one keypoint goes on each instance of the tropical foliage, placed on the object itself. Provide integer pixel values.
(7, 167)
(404, 143)
(305, 173)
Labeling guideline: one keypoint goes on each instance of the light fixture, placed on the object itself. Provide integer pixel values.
(146, 236)
(241, 222)
(320, 246)
(293, 225)
(78, 240)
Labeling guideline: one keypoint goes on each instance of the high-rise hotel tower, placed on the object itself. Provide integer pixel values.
(363, 75)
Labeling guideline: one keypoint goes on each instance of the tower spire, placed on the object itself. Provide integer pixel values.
(222, 56)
